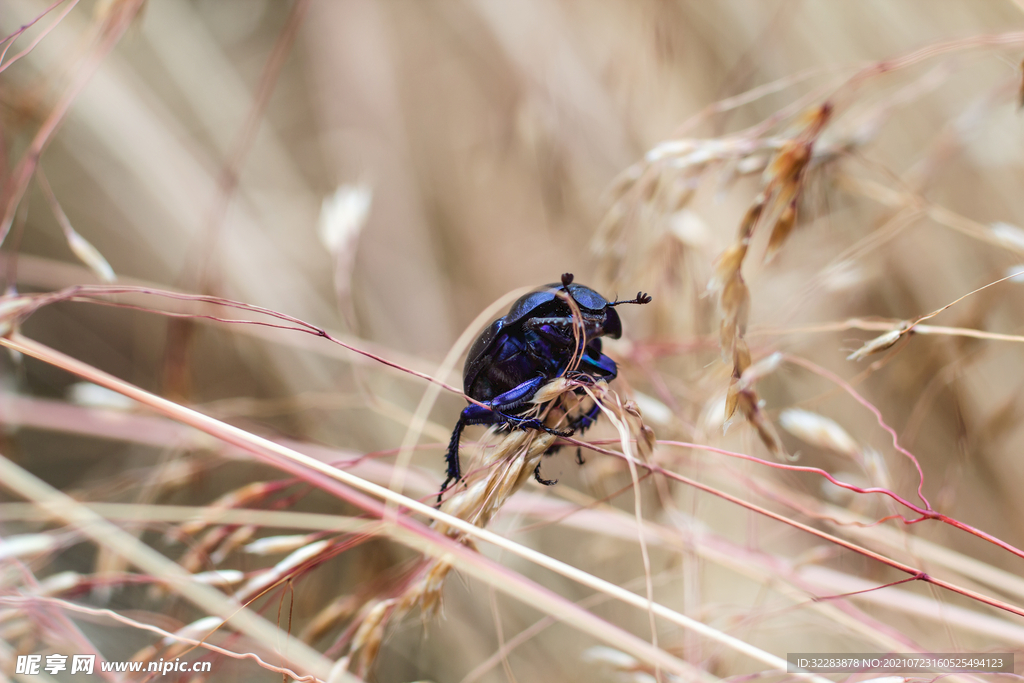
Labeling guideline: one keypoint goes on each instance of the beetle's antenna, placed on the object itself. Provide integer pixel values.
(641, 298)
(566, 280)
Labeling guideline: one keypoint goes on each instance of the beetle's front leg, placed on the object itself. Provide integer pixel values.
(562, 322)
(494, 412)
(555, 338)
(502, 409)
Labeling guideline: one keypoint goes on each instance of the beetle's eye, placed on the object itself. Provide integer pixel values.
(612, 324)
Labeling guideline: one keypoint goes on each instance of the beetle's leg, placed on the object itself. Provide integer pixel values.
(501, 407)
(559, 330)
(579, 457)
(584, 421)
(534, 423)
(608, 372)
(514, 398)
(452, 457)
(561, 322)
(471, 415)
(494, 413)
(542, 480)
(555, 330)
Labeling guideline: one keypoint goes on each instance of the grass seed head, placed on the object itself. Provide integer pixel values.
(234, 540)
(755, 372)
(219, 577)
(727, 266)
(818, 430)
(551, 390)
(789, 163)
(275, 545)
(27, 545)
(879, 343)
(240, 497)
(340, 609)
(282, 569)
(370, 635)
(781, 231)
(749, 222)
(1010, 236)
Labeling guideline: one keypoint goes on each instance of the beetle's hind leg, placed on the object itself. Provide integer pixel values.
(496, 412)
(452, 457)
(542, 480)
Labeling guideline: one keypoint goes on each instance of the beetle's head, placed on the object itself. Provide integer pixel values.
(599, 315)
(598, 320)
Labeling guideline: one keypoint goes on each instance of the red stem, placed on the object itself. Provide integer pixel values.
(923, 512)
(895, 564)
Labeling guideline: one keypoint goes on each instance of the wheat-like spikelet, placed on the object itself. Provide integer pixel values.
(503, 469)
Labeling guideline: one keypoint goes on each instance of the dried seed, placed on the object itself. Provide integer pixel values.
(551, 390)
(219, 577)
(340, 609)
(197, 630)
(781, 231)
(58, 583)
(273, 545)
(731, 402)
(1011, 236)
(646, 441)
(342, 217)
(766, 430)
(265, 579)
(236, 539)
(91, 395)
(789, 163)
(370, 634)
(750, 219)
(735, 303)
(759, 370)
(879, 343)
(818, 430)
(740, 358)
(727, 265)
(26, 545)
(653, 410)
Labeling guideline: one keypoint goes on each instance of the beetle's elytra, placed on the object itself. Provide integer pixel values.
(530, 345)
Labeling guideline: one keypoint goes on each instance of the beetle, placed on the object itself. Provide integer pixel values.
(535, 342)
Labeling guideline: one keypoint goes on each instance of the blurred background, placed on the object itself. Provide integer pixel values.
(386, 170)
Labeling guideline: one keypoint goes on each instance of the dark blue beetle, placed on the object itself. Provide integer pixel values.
(531, 345)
